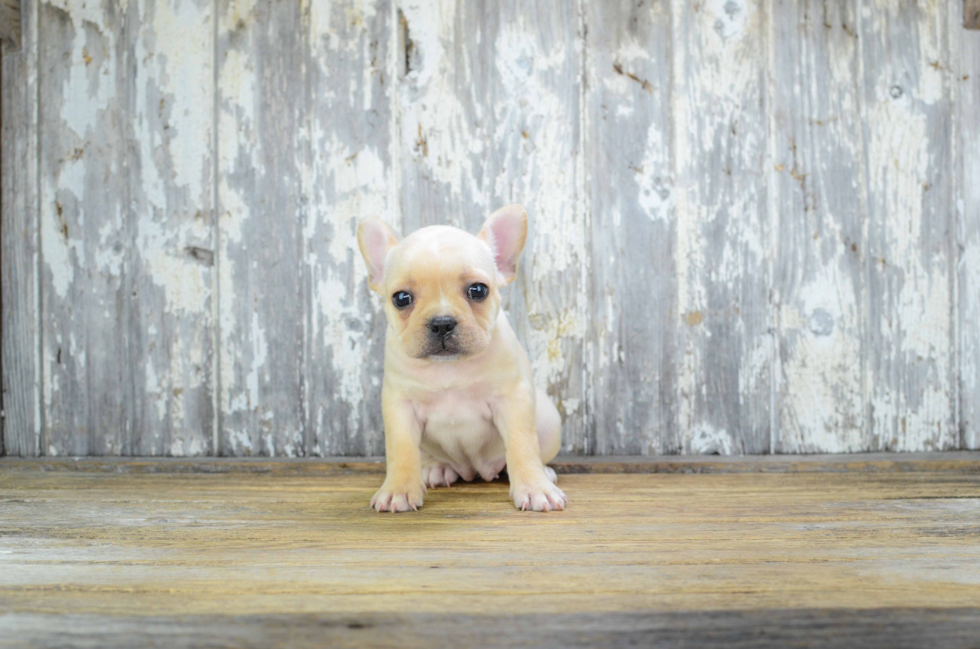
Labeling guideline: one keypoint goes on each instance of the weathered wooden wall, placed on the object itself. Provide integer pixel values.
(755, 223)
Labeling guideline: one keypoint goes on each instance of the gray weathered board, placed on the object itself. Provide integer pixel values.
(755, 225)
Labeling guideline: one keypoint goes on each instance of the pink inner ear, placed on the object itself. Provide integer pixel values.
(377, 242)
(504, 240)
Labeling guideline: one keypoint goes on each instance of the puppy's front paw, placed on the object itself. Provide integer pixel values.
(398, 497)
(539, 496)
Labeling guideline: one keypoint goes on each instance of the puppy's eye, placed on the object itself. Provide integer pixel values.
(401, 299)
(478, 292)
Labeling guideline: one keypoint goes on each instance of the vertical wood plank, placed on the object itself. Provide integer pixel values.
(125, 212)
(170, 166)
(86, 237)
(906, 116)
(442, 125)
(819, 194)
(260, 93)
(489, 113)
(967, 146)
(350, 135)
(20, 367)
(633, 233)
(722, 256)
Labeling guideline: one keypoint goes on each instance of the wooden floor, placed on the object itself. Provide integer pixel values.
(862, 552)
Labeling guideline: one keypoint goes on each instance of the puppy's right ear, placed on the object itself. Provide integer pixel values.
(506, 231)
(375, 239)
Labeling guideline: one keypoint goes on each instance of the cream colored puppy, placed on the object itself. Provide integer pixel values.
(458, 399)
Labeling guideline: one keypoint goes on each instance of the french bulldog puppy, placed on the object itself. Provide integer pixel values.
(458, 399)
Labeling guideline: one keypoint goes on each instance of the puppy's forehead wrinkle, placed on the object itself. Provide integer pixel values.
(441, 247)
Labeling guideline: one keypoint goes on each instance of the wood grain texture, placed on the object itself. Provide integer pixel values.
(87, 275)
(20, 368)
(966, 79)
(722, 257)
(820, 197)
(170, 166)
(349, 173)
(261, 197)
(906, 115)
(489, 114)
(634, 228)
(716, 550)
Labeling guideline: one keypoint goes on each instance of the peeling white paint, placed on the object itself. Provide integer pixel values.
(260, 353)
(705, 440)
(432, 145)
(823, 375)
(720, 145)
(656, 195)
(157, 393)
(914, 331)
(186, 283)
(58, 252)
(241, 442)
(436, 128)
(347, 346)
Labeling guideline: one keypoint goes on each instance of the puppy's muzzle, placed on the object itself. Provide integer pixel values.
(441, 326)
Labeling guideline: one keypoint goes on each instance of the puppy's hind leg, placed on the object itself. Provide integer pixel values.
(436, 473)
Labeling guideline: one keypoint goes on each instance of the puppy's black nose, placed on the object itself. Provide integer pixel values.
(442, 325)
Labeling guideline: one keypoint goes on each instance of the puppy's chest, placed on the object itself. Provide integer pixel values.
(454, 412)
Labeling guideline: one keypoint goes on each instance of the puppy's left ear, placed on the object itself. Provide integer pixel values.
(506, 232)
(375, 239)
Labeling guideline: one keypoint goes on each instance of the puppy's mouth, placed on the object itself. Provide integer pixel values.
(444, 349)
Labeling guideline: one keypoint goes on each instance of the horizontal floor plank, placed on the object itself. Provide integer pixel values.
(945, 462)
(896, 628)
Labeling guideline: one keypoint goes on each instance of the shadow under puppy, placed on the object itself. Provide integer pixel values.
(458, 398)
